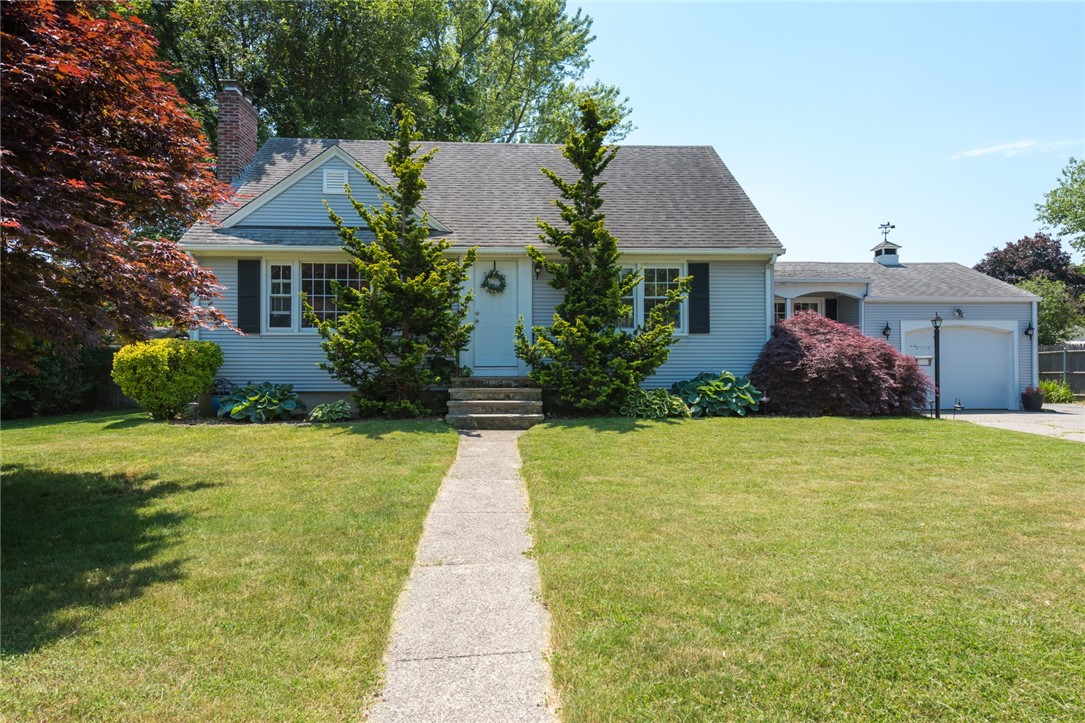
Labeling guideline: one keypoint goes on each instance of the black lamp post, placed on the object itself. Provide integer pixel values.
(936, 322)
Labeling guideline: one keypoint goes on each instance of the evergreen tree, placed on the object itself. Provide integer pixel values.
(586, 355)
(405, 326)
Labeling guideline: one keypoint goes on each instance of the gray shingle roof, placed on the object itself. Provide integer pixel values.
(490, 194)
(930, 280)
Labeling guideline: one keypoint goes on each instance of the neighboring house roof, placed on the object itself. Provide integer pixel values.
(924, 280)
(489, 194)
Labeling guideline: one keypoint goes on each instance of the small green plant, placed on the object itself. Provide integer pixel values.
(718, 395)
(261, 403)
(654, 404)
(337, 411)
(164, 375)
(1056, 392)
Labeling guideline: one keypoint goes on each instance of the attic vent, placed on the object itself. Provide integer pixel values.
(334, 180)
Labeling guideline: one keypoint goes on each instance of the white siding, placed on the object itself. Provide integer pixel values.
(283, 358)
(303, 203)
(878, 314)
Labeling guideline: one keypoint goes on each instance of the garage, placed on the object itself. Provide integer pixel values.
(977, 361)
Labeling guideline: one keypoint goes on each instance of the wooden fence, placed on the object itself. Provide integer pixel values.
(1064, 363)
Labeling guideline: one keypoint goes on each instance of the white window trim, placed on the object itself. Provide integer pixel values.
(820, 301)
(334, 179)
(638, 296)
(295, 297)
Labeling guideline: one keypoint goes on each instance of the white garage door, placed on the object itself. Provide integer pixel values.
(977, 364)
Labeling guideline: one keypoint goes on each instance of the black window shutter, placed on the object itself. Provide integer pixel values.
(248, 296)
(830, 308)
(698, 299)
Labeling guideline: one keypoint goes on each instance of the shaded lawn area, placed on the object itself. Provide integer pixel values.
(155, 572)
(834, 569)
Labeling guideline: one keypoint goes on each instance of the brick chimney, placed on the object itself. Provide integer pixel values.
(236, 130)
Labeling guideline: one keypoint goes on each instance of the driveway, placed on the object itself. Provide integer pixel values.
(1065, 421)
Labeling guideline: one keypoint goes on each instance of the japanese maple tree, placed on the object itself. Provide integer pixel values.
(98, 153)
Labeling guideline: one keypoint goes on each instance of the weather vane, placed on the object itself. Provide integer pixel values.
(886, 228)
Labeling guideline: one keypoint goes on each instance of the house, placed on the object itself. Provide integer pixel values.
(676, 211)
(987, 343)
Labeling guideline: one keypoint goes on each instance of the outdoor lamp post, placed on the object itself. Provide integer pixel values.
(936, 322)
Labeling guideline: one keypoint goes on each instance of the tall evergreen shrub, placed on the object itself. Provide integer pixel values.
(592, 362)
(405, 327)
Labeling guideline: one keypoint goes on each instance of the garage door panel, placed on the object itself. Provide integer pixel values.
(977, 365)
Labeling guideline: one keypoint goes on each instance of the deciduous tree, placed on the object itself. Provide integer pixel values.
(403, 328)
(1064, 207)
(1033, 257)
(1059, 314)
(97, 147)
(586, 354)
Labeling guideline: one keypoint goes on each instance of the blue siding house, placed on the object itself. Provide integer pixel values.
(676, 211)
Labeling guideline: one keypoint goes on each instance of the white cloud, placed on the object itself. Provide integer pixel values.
(1012, 149)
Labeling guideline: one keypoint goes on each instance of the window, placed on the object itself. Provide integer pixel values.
(781, 310)
(316, 284)
(813, 305)
(281, 296)
(629, 321)
(658, 282)
(334, 180)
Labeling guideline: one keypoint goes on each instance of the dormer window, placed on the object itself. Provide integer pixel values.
(334, 180)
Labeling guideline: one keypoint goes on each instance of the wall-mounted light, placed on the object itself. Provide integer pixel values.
(887, 331)
(1030, 330)
(538, 270)
(958, 313)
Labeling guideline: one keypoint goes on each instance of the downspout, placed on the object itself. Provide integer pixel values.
(770, 297)
(1035, 342)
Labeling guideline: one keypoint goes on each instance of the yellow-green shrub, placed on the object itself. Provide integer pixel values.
(164, 375)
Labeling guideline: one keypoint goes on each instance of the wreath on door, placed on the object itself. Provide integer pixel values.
(494, 282)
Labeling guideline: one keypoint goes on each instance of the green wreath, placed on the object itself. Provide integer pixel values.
(494, 282)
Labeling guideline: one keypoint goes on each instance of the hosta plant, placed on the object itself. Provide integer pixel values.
(718, 395)
(337, 411)
(654, 404)
(265, 402)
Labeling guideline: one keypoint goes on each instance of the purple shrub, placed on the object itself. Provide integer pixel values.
(813, 366)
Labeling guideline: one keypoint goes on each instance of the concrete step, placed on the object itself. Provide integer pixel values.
(495, 406)
(491, 382)
(493, 421)
(492, 393)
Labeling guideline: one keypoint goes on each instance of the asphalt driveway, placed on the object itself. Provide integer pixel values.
(1065, 421)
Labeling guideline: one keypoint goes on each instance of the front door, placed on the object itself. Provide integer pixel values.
(495, 318)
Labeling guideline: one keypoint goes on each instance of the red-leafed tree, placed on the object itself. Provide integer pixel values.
(98, 155)
(813, 366)
(1034, 257)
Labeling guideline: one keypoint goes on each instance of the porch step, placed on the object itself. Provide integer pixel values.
(494, 421)
(462, 394)
(491, 382)
(494, 403)
(494, 406)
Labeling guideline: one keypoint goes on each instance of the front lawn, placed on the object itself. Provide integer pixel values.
(219, 572)
(832, 569)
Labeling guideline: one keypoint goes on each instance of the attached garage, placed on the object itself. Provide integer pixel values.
(977, 361)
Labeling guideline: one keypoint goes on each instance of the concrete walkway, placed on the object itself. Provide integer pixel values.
(1065, 421)
(470, 635)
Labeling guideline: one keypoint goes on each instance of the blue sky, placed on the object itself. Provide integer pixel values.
(949, 120)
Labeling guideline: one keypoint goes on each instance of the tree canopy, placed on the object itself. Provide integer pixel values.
(98, 150)
(470, 70)
(1033, 257)
(1064, 207)
(1059, 314)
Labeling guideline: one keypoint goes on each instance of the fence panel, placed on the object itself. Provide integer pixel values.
(1064, 364)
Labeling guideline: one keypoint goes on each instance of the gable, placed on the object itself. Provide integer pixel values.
(297, 201)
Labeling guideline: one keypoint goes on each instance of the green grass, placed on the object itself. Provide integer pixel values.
(164, 572)
(805, 569)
